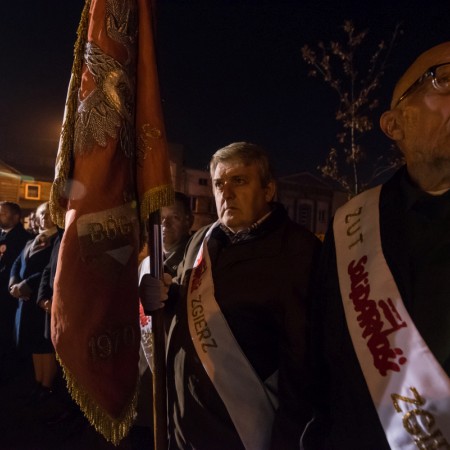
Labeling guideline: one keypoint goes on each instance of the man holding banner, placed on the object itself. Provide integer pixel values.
(236, 360)
(382, 326)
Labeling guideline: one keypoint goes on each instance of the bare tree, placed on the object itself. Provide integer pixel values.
(336, 64)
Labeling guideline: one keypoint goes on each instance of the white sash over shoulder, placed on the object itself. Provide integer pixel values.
(409, 388)
(245, 396)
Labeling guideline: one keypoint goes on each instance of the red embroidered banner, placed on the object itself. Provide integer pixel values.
(112, 140)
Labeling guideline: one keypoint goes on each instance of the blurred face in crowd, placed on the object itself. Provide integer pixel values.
(43, 217)
(8, 219)
(33, 222)
(241, 198)
(175, 225)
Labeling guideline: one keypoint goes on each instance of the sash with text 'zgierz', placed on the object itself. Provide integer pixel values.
(245, 396)
(409, 388)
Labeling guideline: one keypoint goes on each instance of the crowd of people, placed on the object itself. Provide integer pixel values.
(273, 339)
(31, 380)
(27, 266)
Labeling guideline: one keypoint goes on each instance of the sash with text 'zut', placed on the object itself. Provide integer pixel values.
(409, 388)
(247, 401)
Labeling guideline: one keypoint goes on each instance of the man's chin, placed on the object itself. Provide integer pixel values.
(167, 243)
(233, 225)
(228, 220)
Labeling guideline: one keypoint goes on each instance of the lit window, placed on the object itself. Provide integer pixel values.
(33, 191)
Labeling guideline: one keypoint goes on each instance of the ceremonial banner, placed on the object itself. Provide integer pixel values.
(153, 170)
(112, 141)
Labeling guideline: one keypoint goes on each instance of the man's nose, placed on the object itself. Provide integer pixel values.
(228, 191)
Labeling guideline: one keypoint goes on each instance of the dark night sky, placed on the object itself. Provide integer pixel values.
(229, 70)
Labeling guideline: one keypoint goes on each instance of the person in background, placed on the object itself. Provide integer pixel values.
(13, 238)
(236, 353)
(31, 317)
(381, 332)
(49, 366)
(176, 224)
(33, 224)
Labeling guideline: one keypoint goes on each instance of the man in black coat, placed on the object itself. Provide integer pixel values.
(382, 324)
(236, 359)
(12, 241)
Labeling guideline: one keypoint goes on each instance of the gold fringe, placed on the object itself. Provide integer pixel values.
(65, 153)
(113, 430)
(155, 199)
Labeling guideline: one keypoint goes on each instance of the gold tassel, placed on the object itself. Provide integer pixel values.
(155, 199)
(65, 154)
(113, 430)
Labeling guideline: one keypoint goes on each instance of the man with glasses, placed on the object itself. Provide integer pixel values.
(381, 325)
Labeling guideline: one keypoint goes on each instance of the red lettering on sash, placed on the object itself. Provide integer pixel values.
(197, 273)
(372, 316)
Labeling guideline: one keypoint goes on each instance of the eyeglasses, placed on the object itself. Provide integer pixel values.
(441, 80)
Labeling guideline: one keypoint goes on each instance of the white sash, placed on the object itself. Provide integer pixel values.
(409, 388)
(146, 348)
(246, 398)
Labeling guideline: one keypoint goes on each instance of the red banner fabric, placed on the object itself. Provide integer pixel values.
(112, 140)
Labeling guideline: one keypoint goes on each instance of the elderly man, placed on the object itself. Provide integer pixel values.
(12, 240)
(236, 370)
(383, 320)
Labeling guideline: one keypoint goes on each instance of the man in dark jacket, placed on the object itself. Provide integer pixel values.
(382, 326)
(236, 371)
(12, 241)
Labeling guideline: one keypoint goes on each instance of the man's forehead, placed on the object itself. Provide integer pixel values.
(436, 55)
(232, 167)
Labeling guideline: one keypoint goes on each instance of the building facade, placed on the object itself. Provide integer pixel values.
(309, 200)
(22, 189)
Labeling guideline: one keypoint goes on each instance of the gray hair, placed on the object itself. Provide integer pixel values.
(246, 153)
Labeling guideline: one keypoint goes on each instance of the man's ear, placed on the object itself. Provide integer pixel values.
(390, 123)
(270, 190)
